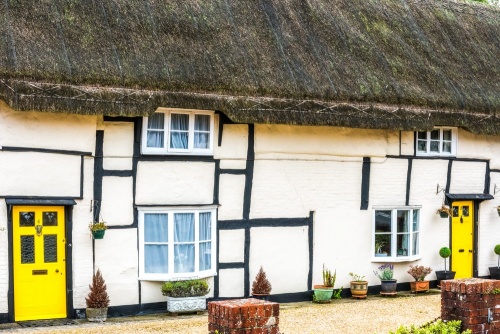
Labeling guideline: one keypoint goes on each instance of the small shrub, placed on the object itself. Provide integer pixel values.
(328, 278)
(98, 296)
(337, 293)
(189, 288)
(449, 327)
(261, 284)
(419, 272)
(386, 272)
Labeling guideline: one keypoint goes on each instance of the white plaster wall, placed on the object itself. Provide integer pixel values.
(118, 146)
(479, 147)
(488, 230)
(467, 177)
(283, 252)
(167, 182)
(407, 142)
(39, 174)
(231, 283)
(46, 130)
(272, 140)
(151, 291)
(289, 188)
(4, 257)
(387, 182)
(233, 150)
(116, 256)
(117, 200)
(231, 193)
(231, 246)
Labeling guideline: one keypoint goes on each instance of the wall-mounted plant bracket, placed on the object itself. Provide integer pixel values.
(495, 189)
(438, 190)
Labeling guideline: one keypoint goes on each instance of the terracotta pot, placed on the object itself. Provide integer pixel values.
(359, 289)
(418, 286)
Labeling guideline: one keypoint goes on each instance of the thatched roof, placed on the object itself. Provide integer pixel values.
(404, 64)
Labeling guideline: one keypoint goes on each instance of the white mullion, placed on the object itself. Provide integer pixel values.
(171, 242)
(394, 233)
(196, 242)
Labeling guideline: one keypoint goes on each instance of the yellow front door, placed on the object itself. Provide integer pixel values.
(39, 262)
(462, 238)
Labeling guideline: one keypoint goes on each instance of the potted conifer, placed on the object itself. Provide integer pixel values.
(97, 300)
(261, 287)
(445, 253)
(495, 271)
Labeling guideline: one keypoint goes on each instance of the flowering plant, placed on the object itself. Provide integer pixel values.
(419, 272)
(97, 226)
(386, 272)
(356, 277)
(445, 209)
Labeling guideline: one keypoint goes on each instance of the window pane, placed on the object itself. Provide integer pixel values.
(465, 211)
(155, 139)
(184, 258)
(50, 248)
(156, 121)
(422, 146)
(184, 227)
(155, 258)
(49, 218)
(155, 227)
(26, 219)
(447, 147)
(202, 123)
(415, 220)
(403, 221)
(205, 226)
(383, 245)
(435, 134)
(415, 248)
(205, 256)
(403, 244)
(382, 221)
(179, 140)
(447, 135)
(434, 146)
(455, 211)
(422, 135)
(179, 122)
(27, 249)
(201, 140)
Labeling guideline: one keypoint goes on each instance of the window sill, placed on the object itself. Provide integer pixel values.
(376, 259)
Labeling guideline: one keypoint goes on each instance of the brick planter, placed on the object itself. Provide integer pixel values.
(471, 301)
(242, 316)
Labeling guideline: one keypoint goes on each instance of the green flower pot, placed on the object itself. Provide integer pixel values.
(99, 234)
(322, 294)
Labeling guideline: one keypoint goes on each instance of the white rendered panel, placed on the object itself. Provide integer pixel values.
(231, 246)
(117, 200)
(231, 193)
(234, 143)
(175, 183)
(283, 252)
(388, 182)
(231, 283)
(118, 145)
(467, 177)
(39, 174)
(489, 229)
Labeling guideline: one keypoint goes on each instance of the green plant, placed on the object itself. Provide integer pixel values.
(189, 288)
(328, 278)
(386, 272)
(97, 226)
(444, 208)
(445, 253)
(356, 277)
(439, 326)
(497, 252)
(337, 293)
(98, 296)
(419, 272)
(261, 285)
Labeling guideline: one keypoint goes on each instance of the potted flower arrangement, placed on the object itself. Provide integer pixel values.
(444, 211)
(323, 293)
(98, 229)
(261, 287)
(97, 300)
(186, 296)
(419, 273)
(495, 271)
(388, 283)
(445, 253)
(359, 286)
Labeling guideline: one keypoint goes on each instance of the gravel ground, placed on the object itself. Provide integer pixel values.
(346, 316)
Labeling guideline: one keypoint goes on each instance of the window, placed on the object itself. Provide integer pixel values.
(178, 131)
(439, 141)
(176, 243)
(397, 234)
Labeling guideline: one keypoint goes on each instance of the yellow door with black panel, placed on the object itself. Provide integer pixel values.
(39, 255)
(462, 238)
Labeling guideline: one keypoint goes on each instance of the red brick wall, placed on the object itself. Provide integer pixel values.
(469, 300)
(243, 316)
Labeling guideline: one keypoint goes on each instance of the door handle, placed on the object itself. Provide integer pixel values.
(57, 270)
(470, 250)
(461, 250)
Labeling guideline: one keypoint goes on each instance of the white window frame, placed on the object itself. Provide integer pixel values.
(166, 130)
(171, 275)
(428, 140)
(394, 233)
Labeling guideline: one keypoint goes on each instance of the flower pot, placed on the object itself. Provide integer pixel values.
(359, 289)
(260, 296)
(442, 275)
(186, 304)
(443, 214)
(494, 272)
(388, 286)
(322, 294)
(419, 286)
(98, 234)
(96, 314)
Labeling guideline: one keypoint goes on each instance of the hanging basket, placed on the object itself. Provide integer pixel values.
(443, 214)
(98, 234)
